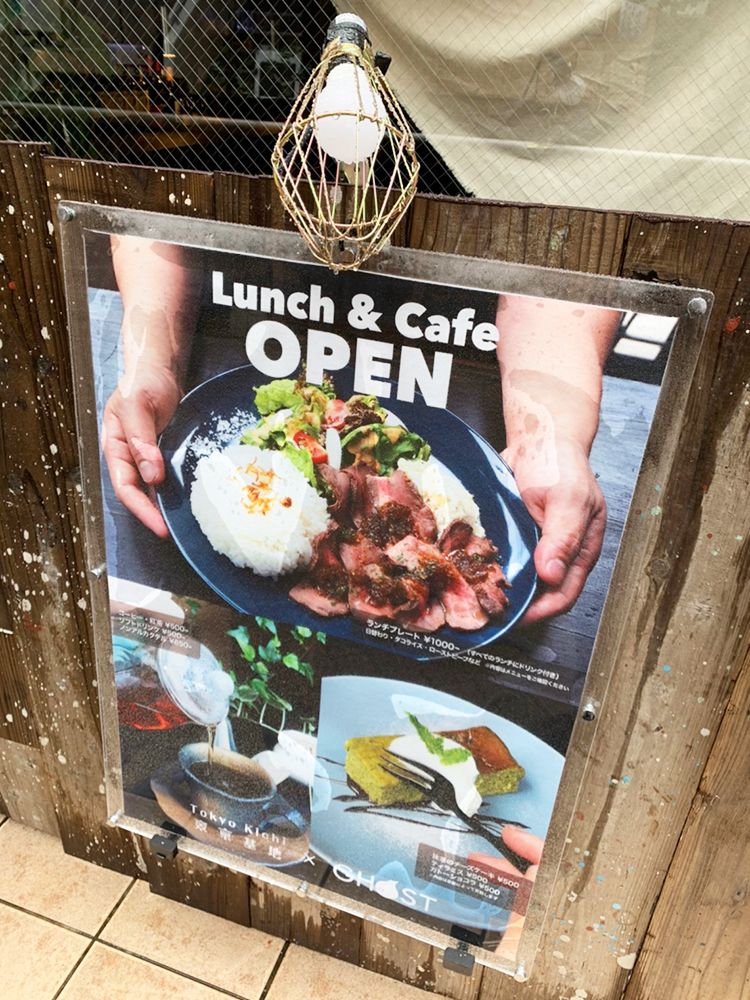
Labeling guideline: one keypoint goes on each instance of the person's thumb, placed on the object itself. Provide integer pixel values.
(566, 517)
(139, 424)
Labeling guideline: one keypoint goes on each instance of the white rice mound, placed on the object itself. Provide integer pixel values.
(255, 507)
(444, 493)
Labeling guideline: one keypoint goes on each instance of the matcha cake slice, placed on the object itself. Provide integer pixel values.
(499, 771)
(363, 757)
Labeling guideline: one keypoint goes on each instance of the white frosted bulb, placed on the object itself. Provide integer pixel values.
(347, 92)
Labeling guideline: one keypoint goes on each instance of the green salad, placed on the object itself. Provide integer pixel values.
(312, 427)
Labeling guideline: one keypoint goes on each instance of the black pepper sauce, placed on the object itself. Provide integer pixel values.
(388, 523)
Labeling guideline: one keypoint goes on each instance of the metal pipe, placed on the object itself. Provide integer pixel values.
(160, 119)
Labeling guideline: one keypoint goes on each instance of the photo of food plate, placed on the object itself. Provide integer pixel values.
(403, 770)
(347, 512)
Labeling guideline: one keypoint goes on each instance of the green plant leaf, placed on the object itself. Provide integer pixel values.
(270, 652)
(270, 696)
(242, 638)
(261, 670)
(266, 623)
(321, 637)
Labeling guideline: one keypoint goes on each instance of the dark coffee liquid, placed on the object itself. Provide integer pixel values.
(242, 784)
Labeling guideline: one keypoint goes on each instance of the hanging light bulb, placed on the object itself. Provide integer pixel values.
(344, 163)
(349, 115)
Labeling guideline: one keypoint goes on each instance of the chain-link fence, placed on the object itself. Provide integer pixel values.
(616, 104)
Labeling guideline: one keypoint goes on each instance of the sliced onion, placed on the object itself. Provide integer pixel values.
(333, 448)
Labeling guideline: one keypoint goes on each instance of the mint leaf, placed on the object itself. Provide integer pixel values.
(433, 743)
(436, 744)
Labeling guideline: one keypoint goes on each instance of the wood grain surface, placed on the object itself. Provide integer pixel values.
(657, 770)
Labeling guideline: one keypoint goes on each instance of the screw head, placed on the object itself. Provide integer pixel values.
(64, 213)
(697, 306)
(589, 711)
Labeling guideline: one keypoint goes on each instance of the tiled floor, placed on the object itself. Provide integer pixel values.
(71, 930)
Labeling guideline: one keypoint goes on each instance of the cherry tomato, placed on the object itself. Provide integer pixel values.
(307, 441)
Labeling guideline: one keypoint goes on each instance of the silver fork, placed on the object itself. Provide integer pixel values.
(439, 790)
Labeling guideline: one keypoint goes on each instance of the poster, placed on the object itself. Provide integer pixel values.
(359, 532)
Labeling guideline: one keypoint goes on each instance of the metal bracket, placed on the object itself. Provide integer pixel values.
(164, 844)
(459, 959)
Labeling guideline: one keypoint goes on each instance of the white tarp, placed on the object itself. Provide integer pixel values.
(613, 104)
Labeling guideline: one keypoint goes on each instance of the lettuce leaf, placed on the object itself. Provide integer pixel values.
(302, 459)
(276, 395)
(385, 444)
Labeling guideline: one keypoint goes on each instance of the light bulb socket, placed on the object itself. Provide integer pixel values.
(383, 61)
(348, 29)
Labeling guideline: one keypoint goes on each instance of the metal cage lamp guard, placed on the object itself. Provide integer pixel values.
(344, 163)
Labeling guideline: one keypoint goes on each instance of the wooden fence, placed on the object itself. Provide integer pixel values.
(651, 903)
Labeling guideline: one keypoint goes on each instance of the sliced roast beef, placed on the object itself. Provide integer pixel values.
(475, 558)
(456, 536)
(338, 486)
(358, 477)
(398, 488)
(431, 619)
(491, 591)
(311, 597)
(360, 552)
(460, 603)
(384, 593)
(324, 588)
(388, 523)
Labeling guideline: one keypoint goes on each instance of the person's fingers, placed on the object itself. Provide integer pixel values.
(528, 845)
(558, 600)
(567, 514)
(142, 507)
(125, 477)
(138, 421)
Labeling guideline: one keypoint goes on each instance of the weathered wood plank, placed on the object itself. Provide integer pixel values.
(42, 562)
(697, 939)
(572, 239)
(253, 201)
(656, 731)
(324, 928)
(249, 201)
(16, 720)
(411, 961)
(25, 787)
(179, 192)
(203, 884)
(270, 909)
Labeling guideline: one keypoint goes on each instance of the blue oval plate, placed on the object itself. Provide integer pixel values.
(216, 412)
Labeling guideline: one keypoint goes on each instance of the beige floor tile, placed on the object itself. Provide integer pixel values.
(37, 874)
(217, 951)
(307, 975)
(35, 956)
(111, 974)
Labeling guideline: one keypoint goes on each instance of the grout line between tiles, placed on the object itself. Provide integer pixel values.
(169, 968)
(114, 909)
(75, 968)
(48, 920)
(272, 975)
